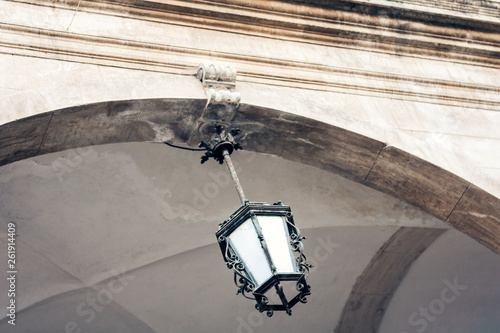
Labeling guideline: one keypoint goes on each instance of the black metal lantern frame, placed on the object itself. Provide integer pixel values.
(244, 279)
(259, 241)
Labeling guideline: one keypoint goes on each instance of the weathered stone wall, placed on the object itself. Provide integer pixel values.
(402, 96)
(418, 78)
(430, 88)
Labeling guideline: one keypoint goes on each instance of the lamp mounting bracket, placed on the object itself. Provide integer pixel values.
(222, 140)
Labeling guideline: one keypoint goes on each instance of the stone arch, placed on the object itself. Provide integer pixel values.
(446, 196)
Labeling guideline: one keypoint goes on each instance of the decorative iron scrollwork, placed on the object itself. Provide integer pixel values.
(241, 280)
(298, 247)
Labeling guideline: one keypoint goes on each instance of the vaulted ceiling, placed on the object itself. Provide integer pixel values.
(121, 237)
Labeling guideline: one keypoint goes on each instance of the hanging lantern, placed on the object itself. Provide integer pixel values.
(259, 241)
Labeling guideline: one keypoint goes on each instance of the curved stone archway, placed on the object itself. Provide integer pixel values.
(402, 97)
(370, 162)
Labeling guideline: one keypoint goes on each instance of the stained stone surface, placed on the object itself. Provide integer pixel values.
(403, 97)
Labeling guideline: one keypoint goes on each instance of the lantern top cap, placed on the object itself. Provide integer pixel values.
(257, 208)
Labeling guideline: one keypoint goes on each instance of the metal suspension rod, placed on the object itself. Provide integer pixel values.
(234, 176)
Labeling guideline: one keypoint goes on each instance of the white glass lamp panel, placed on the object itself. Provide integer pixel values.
(276, 237)
(245, 242)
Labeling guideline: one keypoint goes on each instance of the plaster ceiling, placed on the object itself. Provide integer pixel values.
(136, 222)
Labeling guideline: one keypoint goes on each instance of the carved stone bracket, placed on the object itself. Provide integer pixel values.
(219, 82)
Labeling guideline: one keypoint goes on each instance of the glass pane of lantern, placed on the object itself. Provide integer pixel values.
(245, 242)
(276, 236)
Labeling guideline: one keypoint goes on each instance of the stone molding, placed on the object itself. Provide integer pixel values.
(428, 31)
(130, 54)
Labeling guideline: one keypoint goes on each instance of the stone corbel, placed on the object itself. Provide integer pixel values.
(219, 83)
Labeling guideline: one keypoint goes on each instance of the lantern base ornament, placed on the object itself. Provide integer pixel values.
(263, 302)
